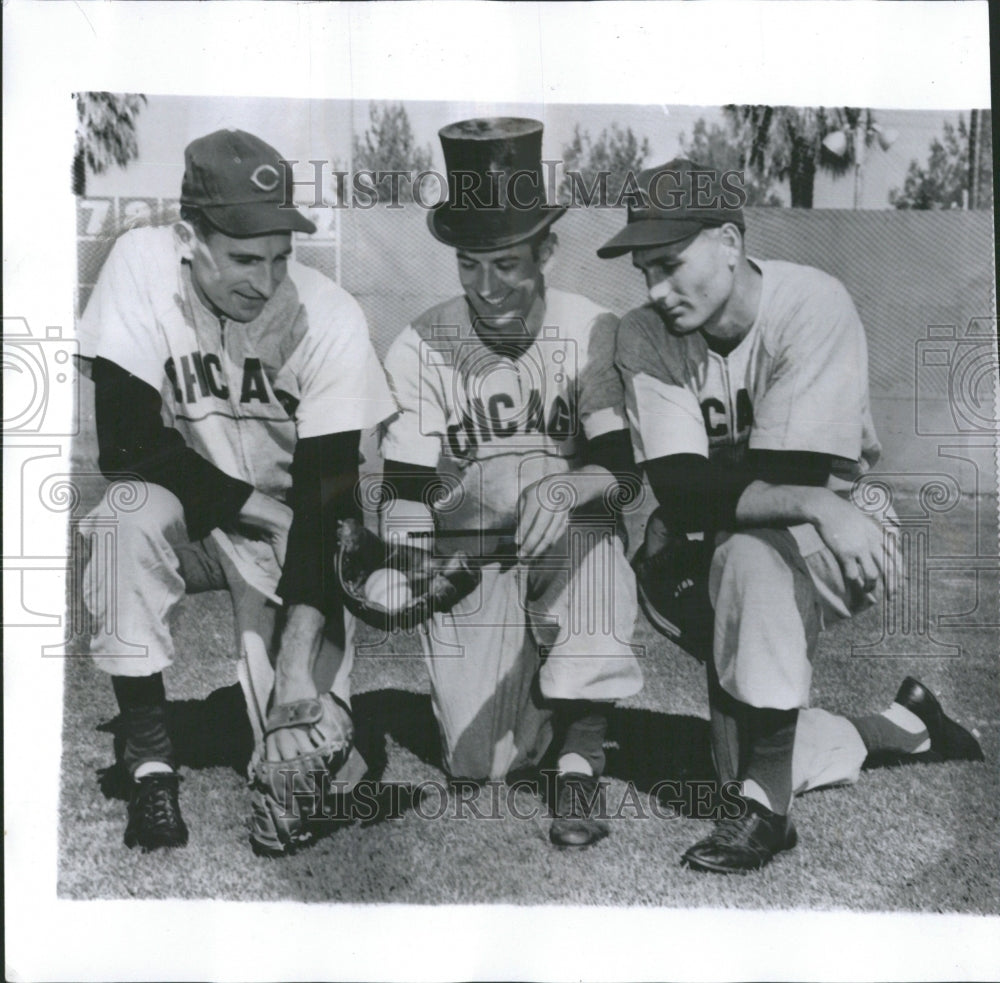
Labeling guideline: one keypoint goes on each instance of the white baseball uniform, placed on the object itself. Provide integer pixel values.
(798, 381)
(240, 395)
(497, 423)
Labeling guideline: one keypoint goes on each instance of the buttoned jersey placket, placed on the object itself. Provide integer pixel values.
(234, 386)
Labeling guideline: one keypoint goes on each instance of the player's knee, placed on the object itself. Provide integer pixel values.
(136, 511)
(745, 556)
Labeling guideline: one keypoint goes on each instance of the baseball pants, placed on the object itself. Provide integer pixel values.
(773, 590)
(155, 565)
(557, 628)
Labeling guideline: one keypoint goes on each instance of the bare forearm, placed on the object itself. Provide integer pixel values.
(763, 504)
(301, 639)
(856, 540)
(592, 483)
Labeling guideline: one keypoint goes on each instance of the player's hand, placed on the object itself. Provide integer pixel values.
(866, 554)
(543, 512)
(544, 508)
(270, 520)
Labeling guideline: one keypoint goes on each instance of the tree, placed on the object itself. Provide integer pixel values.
(716, 149)
(105, 133)
(947, 178)
(388, 145)
(604, 169)
(981, 159)
(786, 143)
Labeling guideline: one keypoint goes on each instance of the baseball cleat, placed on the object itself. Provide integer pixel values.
(577, 798)
(737, 846)
(950, 741)
(154, 813)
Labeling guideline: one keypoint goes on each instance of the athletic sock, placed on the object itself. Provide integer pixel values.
(143, 705)
(727, 729)
(584, 724)
(152, 768)
(772, 735)
(895, 729)
(572, 763)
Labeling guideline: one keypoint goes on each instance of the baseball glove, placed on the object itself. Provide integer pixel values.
(287, 794)
(435, 583)
(671, 577)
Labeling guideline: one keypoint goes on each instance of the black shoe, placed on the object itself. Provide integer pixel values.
(740, 845)
(154, 814)
(950, 741)
(577, 798)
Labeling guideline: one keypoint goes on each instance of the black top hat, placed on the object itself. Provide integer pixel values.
(496, 194)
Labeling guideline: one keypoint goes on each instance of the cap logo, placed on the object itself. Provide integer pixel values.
(266, 177)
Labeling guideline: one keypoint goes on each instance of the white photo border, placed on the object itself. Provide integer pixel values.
(920, 55)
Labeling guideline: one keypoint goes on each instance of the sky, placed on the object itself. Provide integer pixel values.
(321, 129)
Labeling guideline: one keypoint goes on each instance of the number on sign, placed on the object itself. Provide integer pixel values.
(94, 214)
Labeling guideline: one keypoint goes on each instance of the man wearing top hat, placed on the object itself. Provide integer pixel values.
(231, 385)
(511, 427)
(747, 394)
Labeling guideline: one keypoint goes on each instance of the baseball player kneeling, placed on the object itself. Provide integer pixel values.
(508, 446)
(231, 384)
(747, 395)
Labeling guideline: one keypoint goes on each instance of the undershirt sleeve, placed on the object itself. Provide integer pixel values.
(324, 483)
(410, 482)
(613, 451)
(698, 494)
(133, 441)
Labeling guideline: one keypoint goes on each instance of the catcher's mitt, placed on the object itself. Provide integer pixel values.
(287, 794)
(435, 583)
(671, 577)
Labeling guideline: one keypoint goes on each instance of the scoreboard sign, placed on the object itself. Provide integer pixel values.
(100, 220)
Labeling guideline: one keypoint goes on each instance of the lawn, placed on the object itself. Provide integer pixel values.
(915, 838)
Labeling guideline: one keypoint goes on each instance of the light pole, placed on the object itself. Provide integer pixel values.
(838, 142)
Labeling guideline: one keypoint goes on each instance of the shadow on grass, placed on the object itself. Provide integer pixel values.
(209, 733)
(646, 747)
(650, 747)
(215, 732)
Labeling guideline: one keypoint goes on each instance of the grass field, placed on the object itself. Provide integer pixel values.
(916, 838)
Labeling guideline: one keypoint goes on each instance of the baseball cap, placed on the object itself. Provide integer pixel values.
(239, 183)
(676, 201)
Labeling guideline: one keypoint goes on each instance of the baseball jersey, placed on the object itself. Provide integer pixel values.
(240, 394)
(798, 381)
(462, 401)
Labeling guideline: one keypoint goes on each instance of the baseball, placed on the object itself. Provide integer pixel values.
(388, 588)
